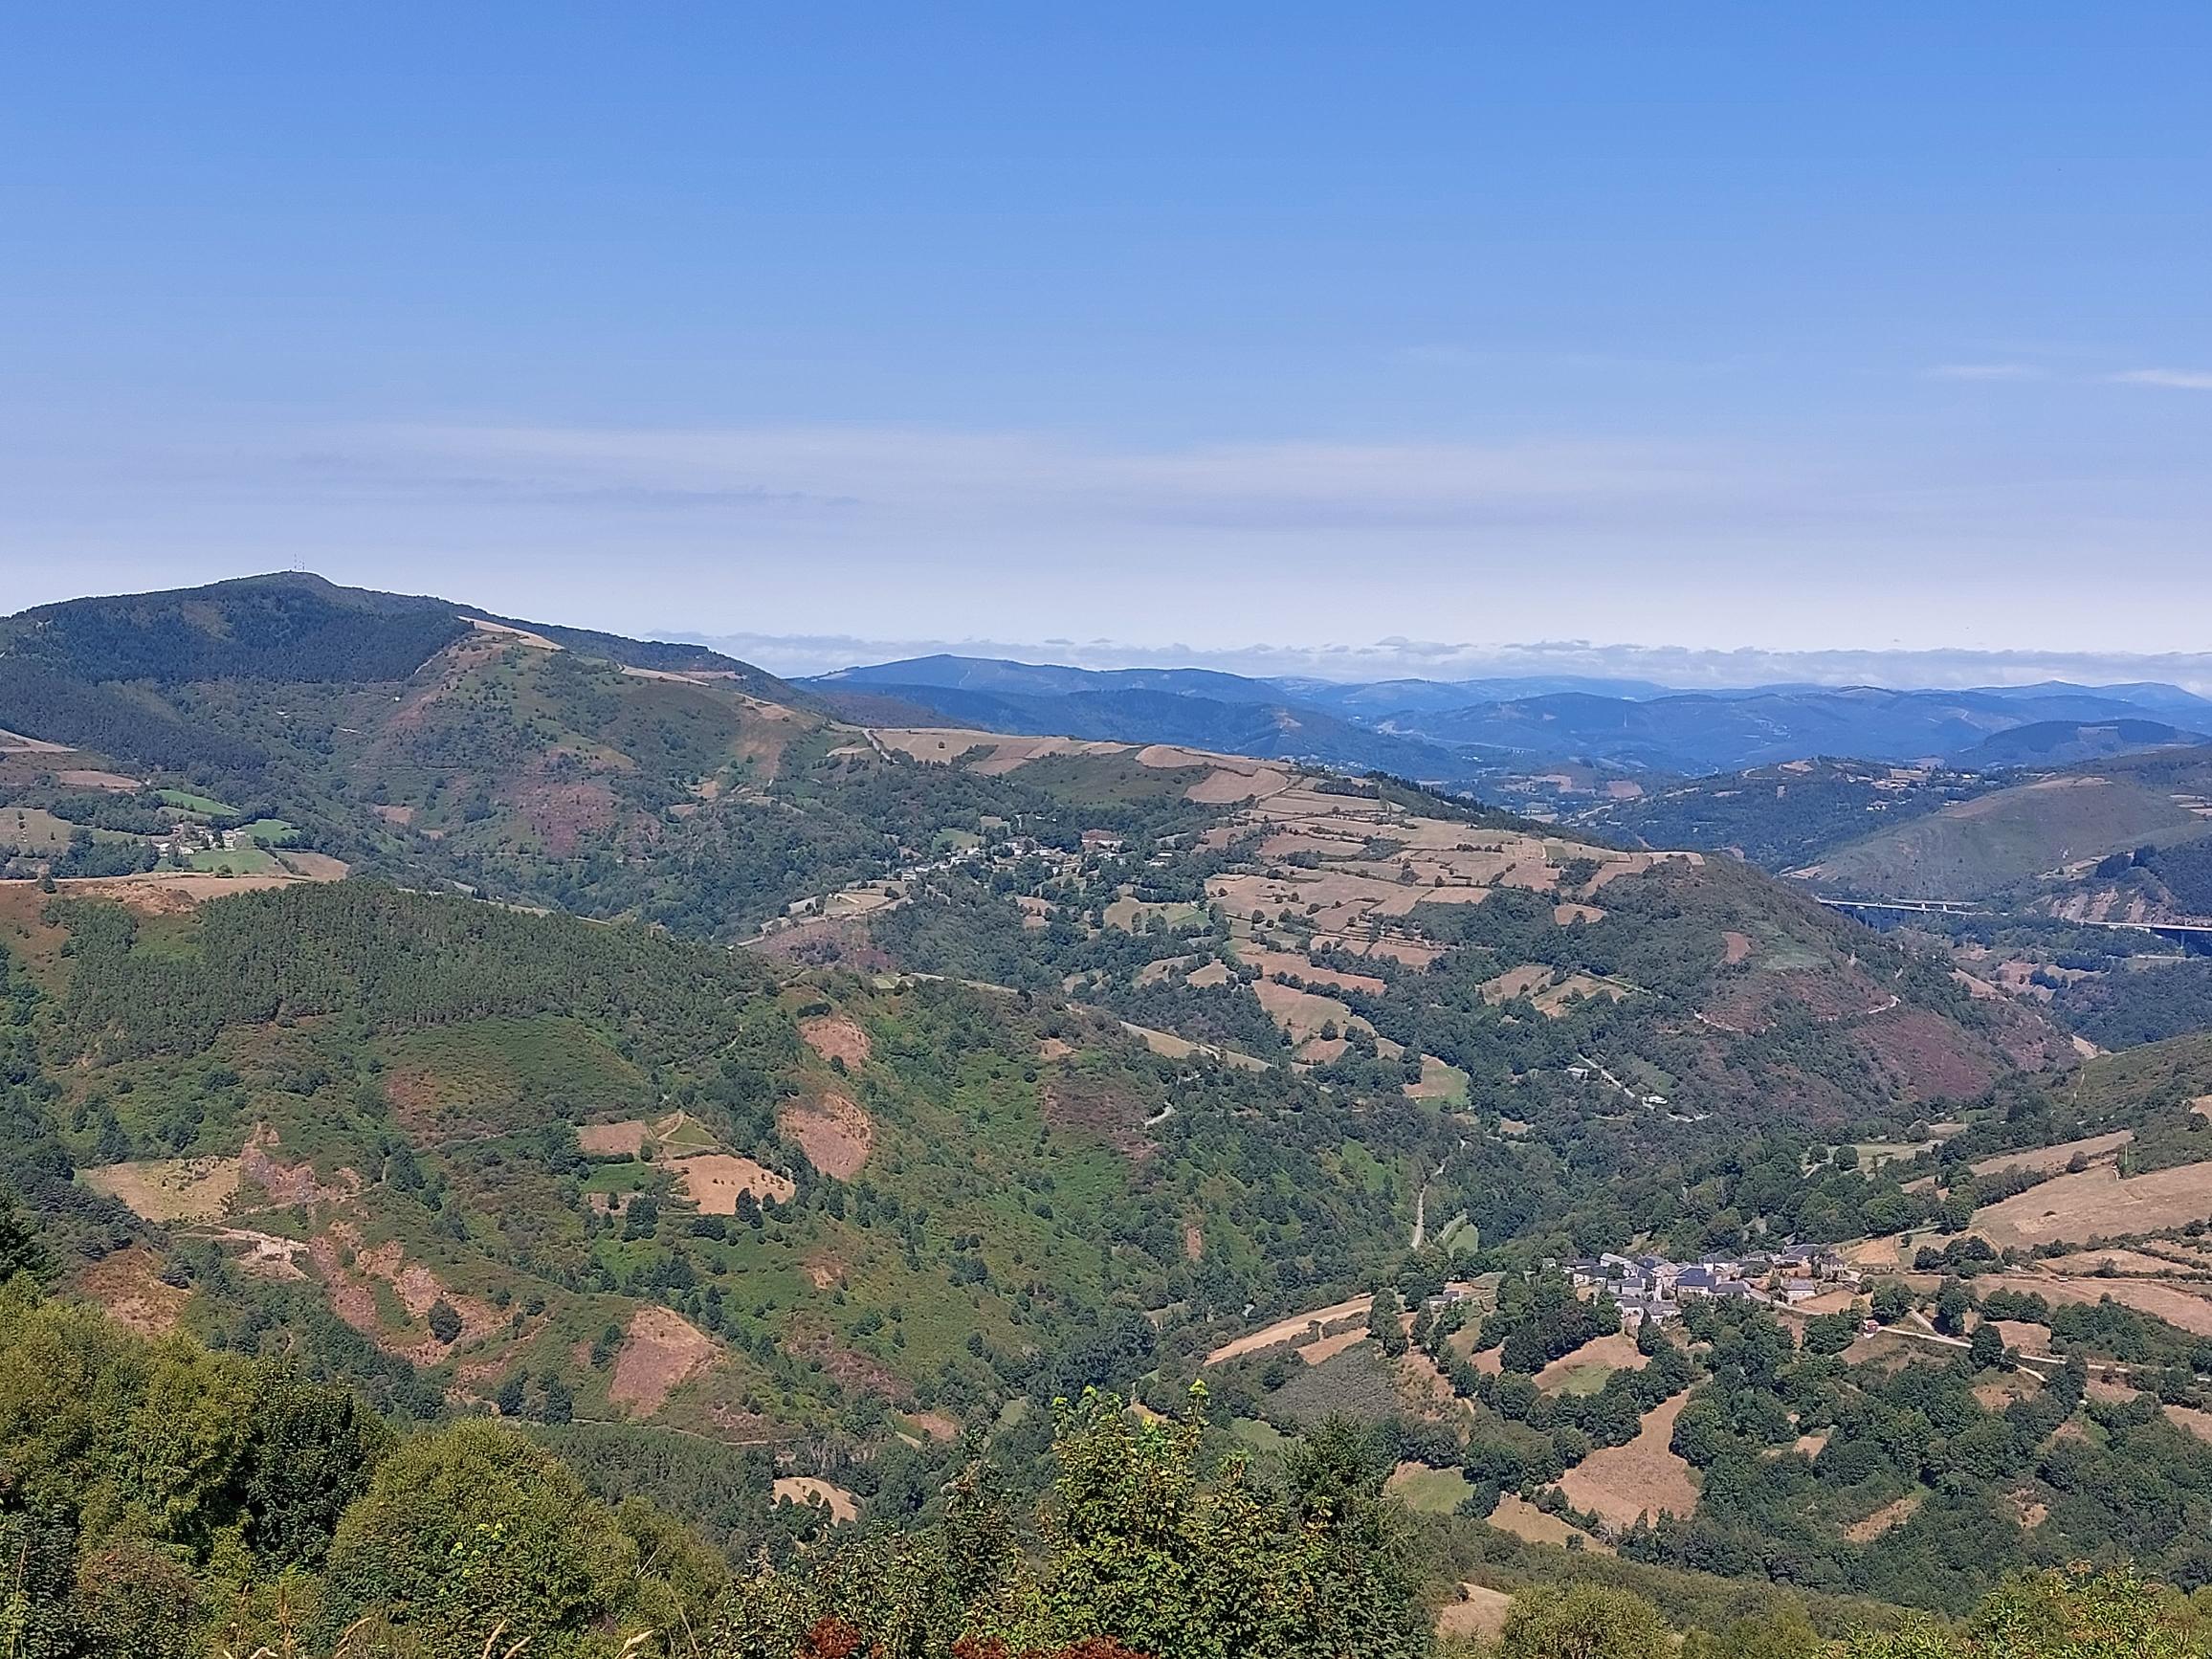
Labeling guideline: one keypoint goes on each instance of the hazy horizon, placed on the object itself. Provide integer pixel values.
(1674, 667)
(1669, 666)
(1738, 329)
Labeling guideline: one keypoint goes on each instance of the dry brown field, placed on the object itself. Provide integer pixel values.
(1322, 1350)
(1478, 1615)
(127, 1286)
(2051, 1159)
(2195, 1421)
(1413, 953)
(805, 1490)
(2097, 1202)
(1619, 1483)
(1518, 1516)
(1292, 1329)
(1163, 967)
(1520, 982)
(2134, 1263)
(839, 1037)
(2177, 1306)
(1617, 1351)
(1174, 1048)
(165, 892)
(313, 866)
(661, 1350)
(624, 1139)
(1003, 754)
(835, 1134)
(713, 1180)
(169, 1189)
(1884, 1519)
(1274, 963)
(2024, 1335)
(1301, 1014)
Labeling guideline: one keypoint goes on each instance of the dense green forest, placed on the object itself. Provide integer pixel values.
(163, 1500)
(2121, 1009)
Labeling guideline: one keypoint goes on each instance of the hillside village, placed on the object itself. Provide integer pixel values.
(1654, 1287)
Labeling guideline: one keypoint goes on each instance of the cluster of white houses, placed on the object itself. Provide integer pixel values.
(1651, 1287)
(184, 838)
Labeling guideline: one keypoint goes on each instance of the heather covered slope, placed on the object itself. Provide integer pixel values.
(509, 765)
(294, 627)
(2003, 843)
(115, 675)
(1785, 816)
(422, 738)
(1384, 935)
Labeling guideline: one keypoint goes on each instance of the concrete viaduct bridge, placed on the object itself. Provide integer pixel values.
(2192, 935)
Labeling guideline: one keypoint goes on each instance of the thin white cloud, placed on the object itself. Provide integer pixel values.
(2178, 379)
(1986, 372)
(911, 475)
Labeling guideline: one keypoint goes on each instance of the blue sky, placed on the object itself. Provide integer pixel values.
(1793, 328)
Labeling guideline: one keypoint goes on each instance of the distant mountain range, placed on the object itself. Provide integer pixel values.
(1463, 731)
(1190, 706)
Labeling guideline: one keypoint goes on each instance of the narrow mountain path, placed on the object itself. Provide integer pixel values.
(1420, 1210)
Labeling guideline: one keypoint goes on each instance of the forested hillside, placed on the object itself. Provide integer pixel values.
(758, 1118)
(415, 737)
(799, 1204)
(165, 1500)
